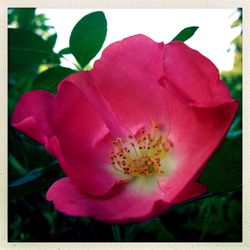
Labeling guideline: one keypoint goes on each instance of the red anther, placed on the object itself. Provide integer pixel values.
(166, 149)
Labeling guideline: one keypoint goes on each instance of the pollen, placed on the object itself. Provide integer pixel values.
(142, 154)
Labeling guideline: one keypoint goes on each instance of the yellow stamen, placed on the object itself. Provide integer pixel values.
(140, 156)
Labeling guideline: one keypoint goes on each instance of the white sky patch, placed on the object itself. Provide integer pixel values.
(212, 39)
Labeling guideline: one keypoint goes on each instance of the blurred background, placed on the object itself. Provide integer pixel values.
(215, 217)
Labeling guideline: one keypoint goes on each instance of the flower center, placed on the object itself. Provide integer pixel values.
(142, 155)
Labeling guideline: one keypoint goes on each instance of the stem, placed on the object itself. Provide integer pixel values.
(116, 233)
(78, 68)
(208, 218)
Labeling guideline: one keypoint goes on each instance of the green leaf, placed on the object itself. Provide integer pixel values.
(34, 181)
(116, 233)
(224, 171)
(160, 231)
(52, 40)
(64, 51)
(235, 129)
(185, 34)
(87, 37)
(49, 79)
(25, 17)
(31, 176)
(15, 164)
(26, 49)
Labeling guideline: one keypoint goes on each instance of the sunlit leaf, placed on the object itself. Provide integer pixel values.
(185, 34)
(87, 37)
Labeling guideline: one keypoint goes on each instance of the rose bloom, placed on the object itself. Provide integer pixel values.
(134, 133)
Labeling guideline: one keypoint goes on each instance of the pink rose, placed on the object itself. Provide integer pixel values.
(134, 133)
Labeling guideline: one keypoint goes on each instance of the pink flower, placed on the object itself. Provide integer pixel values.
(134, 133)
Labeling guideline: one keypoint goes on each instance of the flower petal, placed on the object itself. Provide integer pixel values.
(127, 76)
(31, 115)
(82, 147)
(193, 74)
(192, 190)
(196, 131)
(82, 80)
(124, 205)
(76, 124)
(89, 178)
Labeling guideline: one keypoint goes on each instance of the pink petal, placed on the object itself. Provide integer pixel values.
(196, 131)
(82, 80)
(123, 205)
(127, 76)
(69, 127)
(193, 74)
(89, 177)
(192, 190)
(31, 115)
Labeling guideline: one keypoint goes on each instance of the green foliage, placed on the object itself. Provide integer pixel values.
(235, 130)
(153, 227)
(116, 233)
(26, 50)
(49, 79)
(31, 176)
(65, 51)
(215, 216)
(87, 37)
(223, 171)
(233, 78)
(185, 34)
(34, 181)
(26, 18)
(52, 40)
